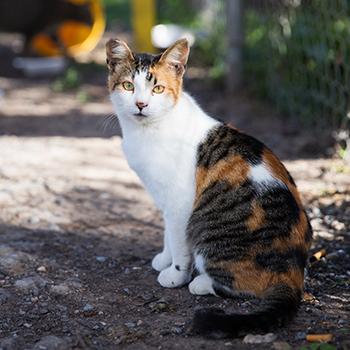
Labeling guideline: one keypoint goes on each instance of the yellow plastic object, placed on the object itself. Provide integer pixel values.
(143, 19)
(74, 37)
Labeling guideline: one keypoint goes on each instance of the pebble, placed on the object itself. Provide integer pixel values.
(258, 339)
(51, 342)
(53, 227)
(11, 261)
(60, 289)
(300, 336)
(101, 259)
(176, 330)
(281, 345)
(130, 324)
(41, 269)
(33, 220)
(335, 254)
(30, 284)
(88, 308)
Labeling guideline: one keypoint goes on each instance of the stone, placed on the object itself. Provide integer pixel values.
(101, 259)
(259, 339)
(88, 308)
(60, 289)
(11, 261)
(51, 342)
(281, 345)
(28, 284)
(41, 269)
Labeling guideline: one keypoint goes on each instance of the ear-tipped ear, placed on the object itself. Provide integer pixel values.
(176, 55)
(117, 51)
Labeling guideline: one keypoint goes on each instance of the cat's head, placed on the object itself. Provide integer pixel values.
(145, 86)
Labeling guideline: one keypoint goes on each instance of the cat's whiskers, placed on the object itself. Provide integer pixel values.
(110, 122)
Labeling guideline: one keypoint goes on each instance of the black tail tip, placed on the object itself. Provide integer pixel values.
(210, 323)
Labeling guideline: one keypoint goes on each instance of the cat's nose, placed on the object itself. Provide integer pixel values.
(141, 105)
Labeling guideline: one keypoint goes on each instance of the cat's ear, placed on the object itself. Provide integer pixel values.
(117, 52)
(176, 55)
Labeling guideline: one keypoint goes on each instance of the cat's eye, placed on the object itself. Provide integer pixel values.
(128, 86)
(158, 89)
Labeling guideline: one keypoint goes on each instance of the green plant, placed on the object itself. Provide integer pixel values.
(69, 81)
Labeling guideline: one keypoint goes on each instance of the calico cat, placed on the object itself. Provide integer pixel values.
(231, 209)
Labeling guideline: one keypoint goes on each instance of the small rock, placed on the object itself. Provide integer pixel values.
(89, 310)
(30, 284)
(27, 325)
(130, 324)
(51, 342)
(60, 289)
(281, 345)
(33, 220)
(139, 322)
(53, 227)
(258, 339)
(161, 305)
(101, 259)
(300, 336)
(41, 269)
(176, 330)
(335, 254)
(74, 283)
(11, 261)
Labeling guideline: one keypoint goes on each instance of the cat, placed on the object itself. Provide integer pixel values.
(231, 210)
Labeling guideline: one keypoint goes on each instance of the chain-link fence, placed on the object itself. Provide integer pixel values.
(297, 52)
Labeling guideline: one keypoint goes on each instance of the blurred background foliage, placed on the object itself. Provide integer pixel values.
(299, 56)
(296, 52)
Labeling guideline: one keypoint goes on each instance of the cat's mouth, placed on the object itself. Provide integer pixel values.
(139, 114)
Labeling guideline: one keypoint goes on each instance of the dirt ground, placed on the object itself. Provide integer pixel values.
(78, 232)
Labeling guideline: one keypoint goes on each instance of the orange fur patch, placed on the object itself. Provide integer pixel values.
(297, 236)
(248, 278)
(166, 76)
(233, 170)
(256, 220)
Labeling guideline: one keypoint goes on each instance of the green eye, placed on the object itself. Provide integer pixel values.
(128, 86)
(158, 89)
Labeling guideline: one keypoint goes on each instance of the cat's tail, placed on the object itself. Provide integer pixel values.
(278, 305)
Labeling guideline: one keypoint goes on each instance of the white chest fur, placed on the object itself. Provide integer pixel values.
(163, 153)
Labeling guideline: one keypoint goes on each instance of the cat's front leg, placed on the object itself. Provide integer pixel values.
(178, 273)
(163, 259)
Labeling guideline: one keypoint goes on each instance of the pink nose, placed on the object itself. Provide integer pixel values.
(141, 105)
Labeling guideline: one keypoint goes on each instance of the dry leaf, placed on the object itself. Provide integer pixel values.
(319, 338)
(317, 256)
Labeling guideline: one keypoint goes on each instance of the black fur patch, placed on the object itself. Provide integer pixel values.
(224, 141)
(144, 61)
(275, 309)
(277, 261)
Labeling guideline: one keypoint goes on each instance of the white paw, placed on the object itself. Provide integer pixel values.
(172, 277)
(161, 261)
(201, 285)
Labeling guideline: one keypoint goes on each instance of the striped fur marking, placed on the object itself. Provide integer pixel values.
(248, 221)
